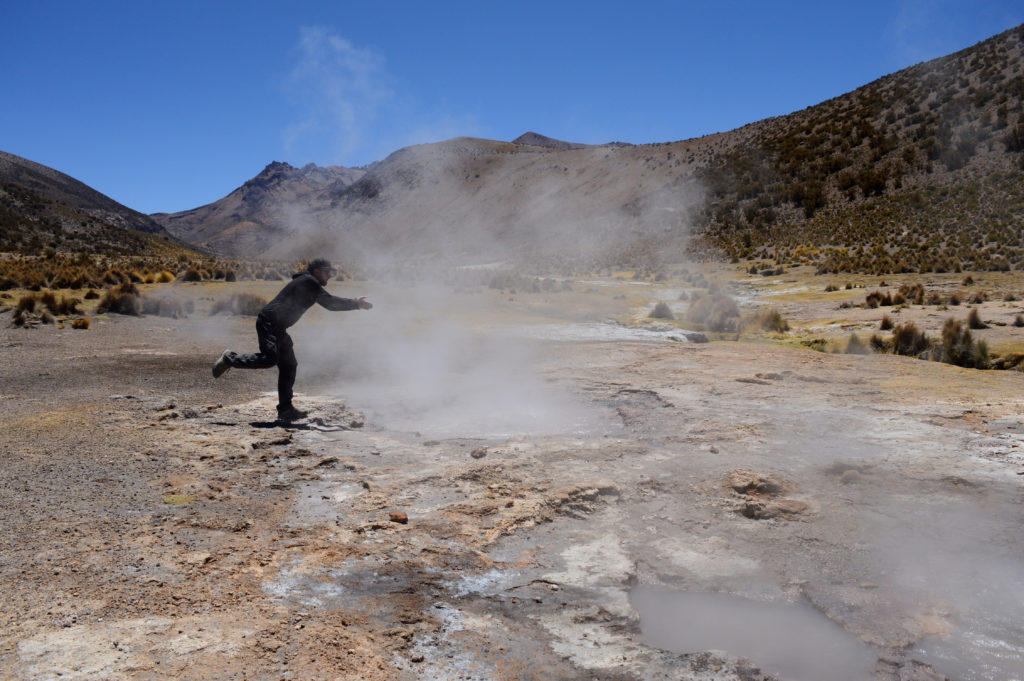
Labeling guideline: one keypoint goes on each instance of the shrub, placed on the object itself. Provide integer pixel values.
(771, 320)
(954, 299)
(80, 323)
(91, 295)
(968, 280)
(247, 304)
(959, 348)
(877, 298)
(192, 274)
(27, 303)
(855, 346)
(913, 293)
(119, 301)
(164, 277)
(165, 306)
(886, 323)
(974, 320)
(716, 310)
(878, 344)
(908, 340)
(66, 306)
(1018, 321)
(661, 311)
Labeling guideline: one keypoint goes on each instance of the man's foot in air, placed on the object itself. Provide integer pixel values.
(221, 366)
(291, 414)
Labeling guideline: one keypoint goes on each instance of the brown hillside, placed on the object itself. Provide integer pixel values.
(921, 170)
(43, 208)
(251, 219)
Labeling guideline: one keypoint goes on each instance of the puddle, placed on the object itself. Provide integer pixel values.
(794, 641)
(979, 650)
(604, 331)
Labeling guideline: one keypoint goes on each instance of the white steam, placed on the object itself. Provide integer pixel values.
(338, 90)
(414, 363)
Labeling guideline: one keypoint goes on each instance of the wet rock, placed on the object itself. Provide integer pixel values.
(786, 509)
(746, 481)
(263, 444)
(850, 477)
(899, 669)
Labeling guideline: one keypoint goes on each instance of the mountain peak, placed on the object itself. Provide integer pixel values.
(535, 139)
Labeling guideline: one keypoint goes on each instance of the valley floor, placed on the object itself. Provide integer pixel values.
(504, 486)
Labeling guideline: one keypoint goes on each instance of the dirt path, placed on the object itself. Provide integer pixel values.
(158, 525)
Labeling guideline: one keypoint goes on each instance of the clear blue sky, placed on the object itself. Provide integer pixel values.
(166, 106)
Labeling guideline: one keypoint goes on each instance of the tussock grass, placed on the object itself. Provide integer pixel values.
(974, 320)
(909, 340)
(123, 299)
(770, 320)
(855, 346)
(661, 311)
(716, 311)
(165, 306)
(245, 304)
(959, 348)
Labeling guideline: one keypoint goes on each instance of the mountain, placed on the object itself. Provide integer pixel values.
(920, 170)
(537, 140)
(41, 207)
(257, 215)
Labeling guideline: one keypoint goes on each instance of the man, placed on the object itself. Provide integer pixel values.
(305, 288)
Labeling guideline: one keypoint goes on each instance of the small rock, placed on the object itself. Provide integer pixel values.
(849, 477)
(431, 443)
(399, 517)
(417, 658)
(479, 453)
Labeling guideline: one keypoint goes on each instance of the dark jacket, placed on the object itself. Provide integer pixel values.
(298, 296)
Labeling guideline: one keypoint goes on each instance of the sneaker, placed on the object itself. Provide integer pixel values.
(221, 366)
(291, 414)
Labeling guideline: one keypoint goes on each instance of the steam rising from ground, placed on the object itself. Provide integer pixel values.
(414, 363)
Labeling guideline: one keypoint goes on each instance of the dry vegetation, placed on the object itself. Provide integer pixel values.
(920, 171)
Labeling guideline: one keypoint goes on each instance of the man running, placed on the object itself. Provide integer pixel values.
(305, 288)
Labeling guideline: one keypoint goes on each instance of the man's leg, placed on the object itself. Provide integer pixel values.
(269, 339)
(287, 367)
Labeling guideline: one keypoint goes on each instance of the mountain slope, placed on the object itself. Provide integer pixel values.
(920, 170)
(42, 207)
(256, 215)
(917, 171)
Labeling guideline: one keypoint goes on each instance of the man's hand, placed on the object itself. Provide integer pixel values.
(363, 303)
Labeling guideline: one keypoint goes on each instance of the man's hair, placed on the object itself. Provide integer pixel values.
(320, 264)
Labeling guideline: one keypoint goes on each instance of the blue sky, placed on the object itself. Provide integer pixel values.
(167, 106)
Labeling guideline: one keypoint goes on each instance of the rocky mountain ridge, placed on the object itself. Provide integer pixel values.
(921, 170)
(916, 171)
(43, 208)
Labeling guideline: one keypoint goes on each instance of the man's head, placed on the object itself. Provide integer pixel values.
(322, 269)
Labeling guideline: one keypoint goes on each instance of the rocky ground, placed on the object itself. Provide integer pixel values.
(723, 510)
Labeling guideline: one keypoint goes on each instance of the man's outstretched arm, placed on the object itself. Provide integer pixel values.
(338, 304)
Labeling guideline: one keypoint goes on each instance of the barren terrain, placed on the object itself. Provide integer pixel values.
(505, 485)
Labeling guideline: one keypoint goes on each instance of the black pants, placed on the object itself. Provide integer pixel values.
(275, 350)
